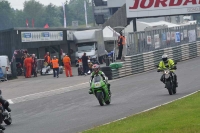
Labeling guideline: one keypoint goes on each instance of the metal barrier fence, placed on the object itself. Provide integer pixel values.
(144, 62)
(151, 40)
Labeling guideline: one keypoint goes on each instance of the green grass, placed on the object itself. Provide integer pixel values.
(182, 116)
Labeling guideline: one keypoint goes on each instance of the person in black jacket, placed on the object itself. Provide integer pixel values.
(85, 63)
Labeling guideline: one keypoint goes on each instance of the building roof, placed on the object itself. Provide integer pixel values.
(48, 29)
(159, 23)
(109, 33)
(188, 23)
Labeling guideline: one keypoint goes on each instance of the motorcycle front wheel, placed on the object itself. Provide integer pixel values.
(100, 98)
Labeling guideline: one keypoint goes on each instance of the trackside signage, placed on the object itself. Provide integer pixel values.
(150, 8)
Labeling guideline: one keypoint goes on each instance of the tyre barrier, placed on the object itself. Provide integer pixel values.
(107, 71)
(147, 61)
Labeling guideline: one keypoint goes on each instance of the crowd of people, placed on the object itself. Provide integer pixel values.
(85, 63)
(29, 63)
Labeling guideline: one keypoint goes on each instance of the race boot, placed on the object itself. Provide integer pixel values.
(175, 80)
(176, 84)
(109, 89)
(90, 91)
(163, 80)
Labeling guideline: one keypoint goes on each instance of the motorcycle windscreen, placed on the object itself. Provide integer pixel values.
(97, 79)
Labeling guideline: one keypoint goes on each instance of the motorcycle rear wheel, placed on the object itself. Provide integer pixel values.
(100, 98)
(169, 87)
(8, 121)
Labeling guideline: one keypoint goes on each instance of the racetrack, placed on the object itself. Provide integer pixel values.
(76, 110)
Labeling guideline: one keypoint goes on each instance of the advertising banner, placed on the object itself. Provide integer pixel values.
(185, 33)
(37, 36)
(172, 35)
(178, 37)
(192, 35)
(148, 39)
(181, 36)
(164, 37)
(157, 41)
(150, 8)
(198, 33)
(168, 36)
(70, 35)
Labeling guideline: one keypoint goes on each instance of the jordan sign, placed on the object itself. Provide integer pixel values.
(151, 8)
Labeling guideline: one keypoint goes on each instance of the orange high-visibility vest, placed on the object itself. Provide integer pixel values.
(55, 63)
(123, 40)
(47, 59)
(66, 60)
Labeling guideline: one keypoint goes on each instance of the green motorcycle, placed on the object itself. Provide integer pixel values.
(100, 88)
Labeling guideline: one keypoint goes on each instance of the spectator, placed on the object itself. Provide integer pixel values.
(47, 58)
(34, 65)
(67, 65)
(55, 66)
(85, 63)
(28, 64)
(23, 64)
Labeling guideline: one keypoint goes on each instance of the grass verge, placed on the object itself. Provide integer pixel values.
(181, 116)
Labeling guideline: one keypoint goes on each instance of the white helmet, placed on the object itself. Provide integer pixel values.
(164, 57)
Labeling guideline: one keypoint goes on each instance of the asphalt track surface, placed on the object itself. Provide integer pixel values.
(76, 110)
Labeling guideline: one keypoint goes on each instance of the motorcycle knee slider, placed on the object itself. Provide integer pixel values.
(109, 88)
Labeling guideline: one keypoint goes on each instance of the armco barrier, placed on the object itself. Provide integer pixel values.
(147, 61)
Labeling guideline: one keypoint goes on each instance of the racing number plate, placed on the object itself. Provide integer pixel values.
(98, 84)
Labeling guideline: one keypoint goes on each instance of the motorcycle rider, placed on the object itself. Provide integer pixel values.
(167, 63)
(96, 70)
(4, 106)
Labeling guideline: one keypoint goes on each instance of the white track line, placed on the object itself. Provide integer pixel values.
(41, 94)
(53, 92)
(10, 101)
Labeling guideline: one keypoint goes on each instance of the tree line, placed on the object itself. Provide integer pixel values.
(37, 13)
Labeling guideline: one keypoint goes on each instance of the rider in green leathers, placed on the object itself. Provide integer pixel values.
(96, 70)
(167, 63)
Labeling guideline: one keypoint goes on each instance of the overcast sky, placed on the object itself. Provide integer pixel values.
(18, 4)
